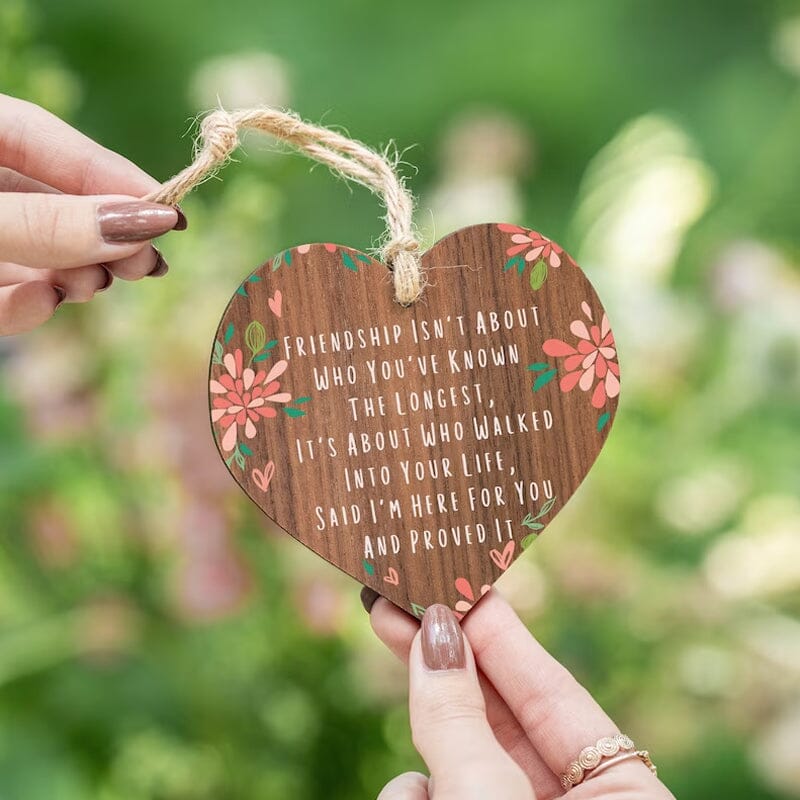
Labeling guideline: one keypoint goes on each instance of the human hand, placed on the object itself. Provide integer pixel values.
(494, 715)
(70, 217)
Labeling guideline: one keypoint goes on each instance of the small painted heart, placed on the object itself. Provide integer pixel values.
(275, 303)
(263, 478)
(504, 559)
(422, 448)
(392, 577)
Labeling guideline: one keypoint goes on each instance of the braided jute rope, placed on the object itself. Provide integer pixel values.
(219, 137)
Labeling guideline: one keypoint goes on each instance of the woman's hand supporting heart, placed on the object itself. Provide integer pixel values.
(70, 217)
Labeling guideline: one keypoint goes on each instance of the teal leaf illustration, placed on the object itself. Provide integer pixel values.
(300, 400)
(543, 379)
(294, 412)
(254, 279)
(277, 261)
(538, 366)
(347, 260)
(515, 261)
(417, 610)
(242, 291)
(363, 259)
(228, 333)
(245, 449)
(265, 351)
(603, 421)
(528, 540)
(368, 568)
(538, 274)
(287, 257)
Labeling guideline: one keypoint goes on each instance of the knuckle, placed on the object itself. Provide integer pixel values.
(543, 704)
(442, 713)
(85, 284)
(40, 223)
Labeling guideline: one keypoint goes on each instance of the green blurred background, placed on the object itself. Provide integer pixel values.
(159, 642)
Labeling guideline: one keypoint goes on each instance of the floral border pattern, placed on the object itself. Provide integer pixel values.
(246, 394)
(532, 248)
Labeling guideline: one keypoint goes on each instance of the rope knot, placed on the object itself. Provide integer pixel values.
(397, 245)
(219, 134)
(401, 254)
(219, 138)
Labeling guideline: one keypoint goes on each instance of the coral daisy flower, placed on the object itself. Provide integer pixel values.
(538, 246)
(245, 397)
(592, 358)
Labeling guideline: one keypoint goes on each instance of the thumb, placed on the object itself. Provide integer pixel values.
(448, 717)
(63, 231)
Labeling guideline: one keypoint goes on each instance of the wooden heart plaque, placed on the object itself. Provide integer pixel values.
(418, 449)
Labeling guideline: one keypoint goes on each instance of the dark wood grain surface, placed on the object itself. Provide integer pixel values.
(444, 469)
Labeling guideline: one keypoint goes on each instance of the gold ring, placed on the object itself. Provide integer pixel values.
(590, 760)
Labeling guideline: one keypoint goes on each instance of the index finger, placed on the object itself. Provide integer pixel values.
(38, 144)
(558, 715)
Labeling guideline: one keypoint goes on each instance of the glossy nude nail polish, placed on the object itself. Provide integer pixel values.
(134, 221)
(442, 640)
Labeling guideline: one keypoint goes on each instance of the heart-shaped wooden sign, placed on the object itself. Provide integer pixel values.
(418, 449)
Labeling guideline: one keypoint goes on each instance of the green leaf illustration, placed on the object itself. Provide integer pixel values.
(546, 507)
(216, 358)
(277, 261)
(538, 366)
(242, 291)
(362, 258)
(255, 337)
(603, 421)
(538, 274)
(529, 540)
(347, 260)
(368, 568)
(228, 333)
(300, 400)
(530, 524)
(544, 379)
(287, 257)
(254, 279)
(245, 449)
(417, 610)
(294, 412)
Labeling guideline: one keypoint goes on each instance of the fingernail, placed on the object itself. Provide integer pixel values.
(134, 221)
(182, 224)
(442, 640)
(368, 598)
(109, 279)
(60, 294)
(161, 267)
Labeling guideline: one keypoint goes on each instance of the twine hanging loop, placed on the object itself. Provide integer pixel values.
(219, 137)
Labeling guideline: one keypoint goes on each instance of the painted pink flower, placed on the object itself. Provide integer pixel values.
(464, 588)
(591, 361)
(304, 248)
(245, 397)
(538, 246)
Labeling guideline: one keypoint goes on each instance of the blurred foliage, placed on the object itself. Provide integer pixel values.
(157, 642)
